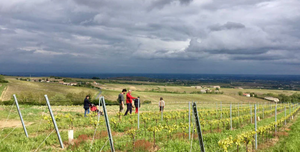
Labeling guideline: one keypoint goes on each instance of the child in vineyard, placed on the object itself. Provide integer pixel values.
(161, 104)
(95, 109)
(136, 104)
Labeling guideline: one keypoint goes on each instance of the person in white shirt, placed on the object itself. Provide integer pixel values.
(161, 104)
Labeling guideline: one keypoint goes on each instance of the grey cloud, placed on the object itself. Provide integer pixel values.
(159, 4)
(7, 31)
(92, 32)
(227, 26)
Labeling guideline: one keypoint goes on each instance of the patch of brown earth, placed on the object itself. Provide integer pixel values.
(282, 133)
(143, 145)
(13, 123)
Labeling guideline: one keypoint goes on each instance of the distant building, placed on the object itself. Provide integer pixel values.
(198, 87)
(208, 90)
(272, 99)
(247, 95)
(215, 87)
(73, 83)
(34, 80)
(203, 91)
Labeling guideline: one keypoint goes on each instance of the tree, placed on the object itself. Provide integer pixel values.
(2, 79)
(240, 93)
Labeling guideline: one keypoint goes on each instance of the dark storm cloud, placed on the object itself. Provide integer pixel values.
(109, 34)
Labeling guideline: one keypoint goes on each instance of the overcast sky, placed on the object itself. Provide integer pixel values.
(150, 36)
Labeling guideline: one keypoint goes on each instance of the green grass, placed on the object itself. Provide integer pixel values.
(111, 94)
(2, 86)
(37, 89)
(39, 129)
(290, 142)
(111, 90)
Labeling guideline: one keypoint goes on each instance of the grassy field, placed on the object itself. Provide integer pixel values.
(110, 90)
(290, 142)
(51, 89)
(2, 87)
(151, 92)
(172, 134)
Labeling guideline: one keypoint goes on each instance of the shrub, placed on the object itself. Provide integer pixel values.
(147, 102)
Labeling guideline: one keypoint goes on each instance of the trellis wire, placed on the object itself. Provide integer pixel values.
(39, 126)
(6, 119)
(104, 145)
(12, 131)
(95, 132)
(44, 140)
(8, 134)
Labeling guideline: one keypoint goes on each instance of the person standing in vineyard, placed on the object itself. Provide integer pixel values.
(161, 104)
(129, 102)
(86, 105)
(121, 99)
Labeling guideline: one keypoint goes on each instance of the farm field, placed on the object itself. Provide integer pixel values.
(156, 133)
(38, 90)
(2, 87)
(168, 131)
(153, 92)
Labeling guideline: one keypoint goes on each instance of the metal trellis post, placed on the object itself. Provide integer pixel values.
(138, 113)
(276, 117)
(221, 110)
(251, 112)
(197, 121)
(231, 116)
(20, 114)
(255, 120)
(54, 122)
(284, 115)
(263, 111)
(107, 125)
(189, 120)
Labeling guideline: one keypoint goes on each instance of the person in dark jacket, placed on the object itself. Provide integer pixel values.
(86, 105)
(136, 104)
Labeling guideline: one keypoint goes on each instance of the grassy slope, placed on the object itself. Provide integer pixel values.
(291, 142)
(2, 86)
(110, 91)
(17, 87)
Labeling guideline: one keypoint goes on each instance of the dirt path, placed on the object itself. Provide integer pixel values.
(13, 123)
(3, 93)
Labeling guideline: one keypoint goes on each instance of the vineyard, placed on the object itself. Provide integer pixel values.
(225, 127)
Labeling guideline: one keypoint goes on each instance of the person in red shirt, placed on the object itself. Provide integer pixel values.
(129, 102)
